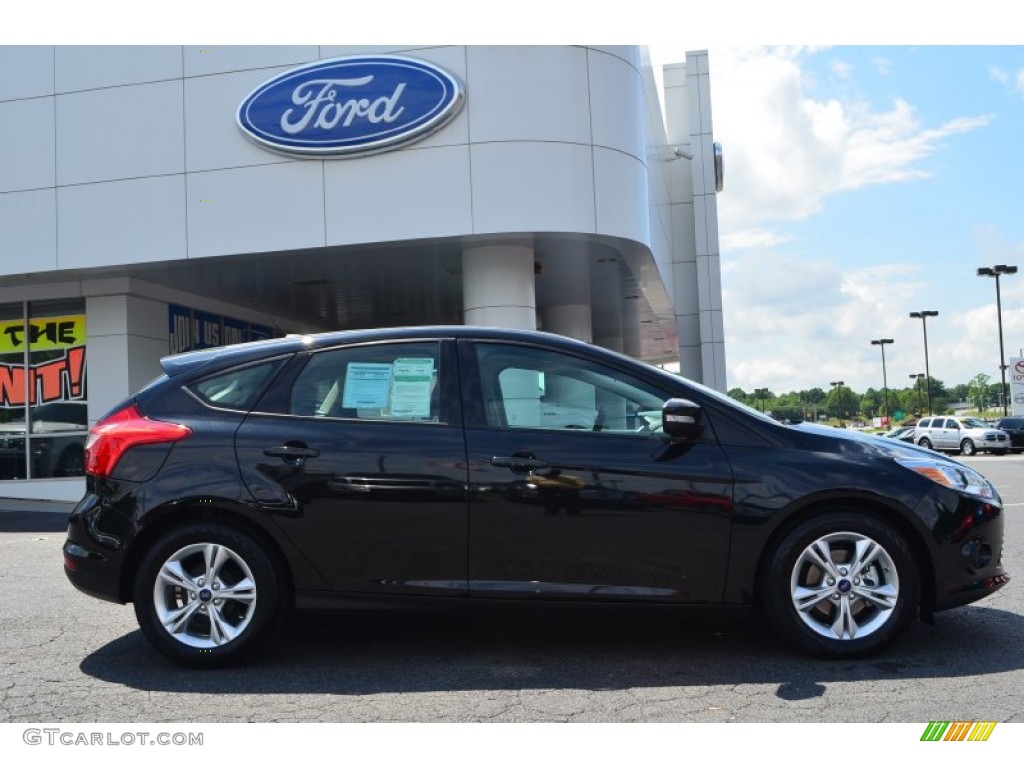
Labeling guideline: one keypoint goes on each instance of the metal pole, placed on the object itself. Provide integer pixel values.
(924, 315)
(996, 271)
(927, 370)
(885, 381)
(885, 386)
(1002, 356)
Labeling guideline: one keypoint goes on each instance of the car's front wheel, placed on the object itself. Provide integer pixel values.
(208, 595)
(967, 447)
(841, 585)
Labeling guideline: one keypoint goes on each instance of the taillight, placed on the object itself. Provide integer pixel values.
(110, 438)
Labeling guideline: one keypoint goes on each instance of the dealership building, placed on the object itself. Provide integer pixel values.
(157, 199)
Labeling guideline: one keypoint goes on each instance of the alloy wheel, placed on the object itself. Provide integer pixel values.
(204, 595)
(844, 586)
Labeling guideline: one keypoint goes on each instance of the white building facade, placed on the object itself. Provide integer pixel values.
(146, 212)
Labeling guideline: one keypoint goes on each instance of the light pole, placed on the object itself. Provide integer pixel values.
(996, 271)
(837, 385)
(919, 376)
(924, 315)
(761, 394)
(885, 383)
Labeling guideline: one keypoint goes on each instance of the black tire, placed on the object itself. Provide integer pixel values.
(203, 624)
(889, 573)
(924, 442)
(967, 447)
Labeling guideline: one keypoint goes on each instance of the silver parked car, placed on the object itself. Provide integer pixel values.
(966, 435)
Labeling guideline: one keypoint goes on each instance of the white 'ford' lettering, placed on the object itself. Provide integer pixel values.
(324, 110)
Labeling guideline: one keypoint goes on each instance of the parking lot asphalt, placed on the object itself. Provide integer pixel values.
(69, 658)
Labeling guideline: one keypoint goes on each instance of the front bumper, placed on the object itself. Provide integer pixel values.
(968, 559)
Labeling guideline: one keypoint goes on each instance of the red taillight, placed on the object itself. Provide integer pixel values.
(125, 429)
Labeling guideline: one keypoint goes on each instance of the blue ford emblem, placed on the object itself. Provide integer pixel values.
(350, 105)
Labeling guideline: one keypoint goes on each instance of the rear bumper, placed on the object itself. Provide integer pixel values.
(90, 572)
(92, 552)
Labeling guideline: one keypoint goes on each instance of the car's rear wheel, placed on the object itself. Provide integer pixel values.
(208, 595)
(841, 585)
(924, 442)
(967, 447)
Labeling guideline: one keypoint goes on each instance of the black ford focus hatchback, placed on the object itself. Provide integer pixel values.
(457, 463)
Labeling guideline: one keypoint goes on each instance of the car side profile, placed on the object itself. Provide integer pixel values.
(1013, 426)
(964, 435)
(906, 434)
(451, 464)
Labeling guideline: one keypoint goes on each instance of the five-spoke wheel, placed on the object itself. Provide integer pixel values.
(207, 595)
(842, 584)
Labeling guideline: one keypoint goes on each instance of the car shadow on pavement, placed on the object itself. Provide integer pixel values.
(33, 520)
(364, 652)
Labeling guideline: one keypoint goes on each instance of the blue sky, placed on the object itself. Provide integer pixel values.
(863, 183)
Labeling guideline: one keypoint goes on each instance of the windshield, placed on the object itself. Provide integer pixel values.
(728, 401)
(975, 424)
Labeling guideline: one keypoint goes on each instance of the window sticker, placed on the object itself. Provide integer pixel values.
(366, 385)
(410, 390)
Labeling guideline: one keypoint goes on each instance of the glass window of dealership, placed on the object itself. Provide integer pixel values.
(43, 390)
(170, 198)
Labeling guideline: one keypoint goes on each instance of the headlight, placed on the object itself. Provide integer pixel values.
(954, 476)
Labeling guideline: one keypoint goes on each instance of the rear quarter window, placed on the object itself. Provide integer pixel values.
(236, 389)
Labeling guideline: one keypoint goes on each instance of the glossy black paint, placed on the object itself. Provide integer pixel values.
(1014, 427)
(457, 508)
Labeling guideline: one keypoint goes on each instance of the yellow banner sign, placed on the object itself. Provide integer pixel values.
(43, 333)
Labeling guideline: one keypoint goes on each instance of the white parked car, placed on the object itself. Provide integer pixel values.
(966, 435)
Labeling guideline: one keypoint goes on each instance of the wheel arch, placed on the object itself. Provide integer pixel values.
(201, 511)
(866, 505)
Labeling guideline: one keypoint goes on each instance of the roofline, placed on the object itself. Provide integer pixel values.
(244, 352)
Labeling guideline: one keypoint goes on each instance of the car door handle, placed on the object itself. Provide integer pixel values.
(296, 454)
(519, 463)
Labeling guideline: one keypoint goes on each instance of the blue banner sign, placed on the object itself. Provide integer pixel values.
(350, 105)
(190, 329)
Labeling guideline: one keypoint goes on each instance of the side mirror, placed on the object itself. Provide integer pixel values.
(681, 418)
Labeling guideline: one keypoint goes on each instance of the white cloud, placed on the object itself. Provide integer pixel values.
(754, 237)
(794, 321)
(883, 66)
(789, 151)
(841, 68)
(999, 74)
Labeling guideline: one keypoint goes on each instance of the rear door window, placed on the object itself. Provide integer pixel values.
(389, 382)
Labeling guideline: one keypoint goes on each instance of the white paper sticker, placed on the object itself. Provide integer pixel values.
(411, 387)
(366, 385)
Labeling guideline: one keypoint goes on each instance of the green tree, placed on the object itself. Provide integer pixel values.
(738, 394)
(814, 396)
(941, 397)
(842, 403)
(871, 402)
(977, 390)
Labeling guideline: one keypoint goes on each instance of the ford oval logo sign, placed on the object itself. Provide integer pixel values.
(350, 105)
